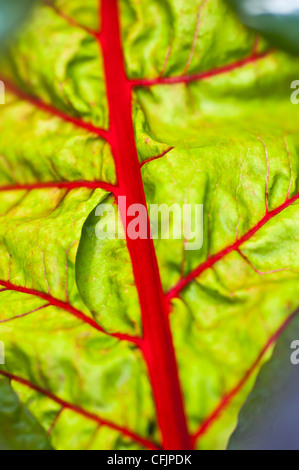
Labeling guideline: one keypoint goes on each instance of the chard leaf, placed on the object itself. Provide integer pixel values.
(129, 344)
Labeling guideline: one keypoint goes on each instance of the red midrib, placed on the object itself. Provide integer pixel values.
(157, 343)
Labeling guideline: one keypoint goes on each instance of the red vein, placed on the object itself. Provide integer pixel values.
(61, 184)
(76, 409)
(268, 174)
(256, 45)
(290, 165)
(24, 314)
(38, 103)
(158, 346)
(225, 402)
(157, 157)
(68, 308)
(234, 247)
(195, 37)
(202, 75)
(55, 421)
(167, 57)
(260, 273)
(71, 21)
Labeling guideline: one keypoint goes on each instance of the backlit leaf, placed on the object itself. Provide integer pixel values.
(135, 344)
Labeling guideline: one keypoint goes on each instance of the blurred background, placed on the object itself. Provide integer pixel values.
(12, 14)
(277, 20)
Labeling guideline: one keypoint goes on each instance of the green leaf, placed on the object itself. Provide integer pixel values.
(88, 332)
(19, 430)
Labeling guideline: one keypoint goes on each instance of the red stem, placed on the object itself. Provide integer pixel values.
(157, 343)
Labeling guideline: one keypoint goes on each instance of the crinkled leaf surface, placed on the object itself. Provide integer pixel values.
(213, 102)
